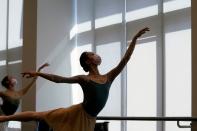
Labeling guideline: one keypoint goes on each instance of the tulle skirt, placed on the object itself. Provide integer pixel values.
(73, 118)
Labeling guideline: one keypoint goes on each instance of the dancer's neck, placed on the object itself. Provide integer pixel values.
(94, 71)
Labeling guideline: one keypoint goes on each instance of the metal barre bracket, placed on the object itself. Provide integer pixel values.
(183, 126)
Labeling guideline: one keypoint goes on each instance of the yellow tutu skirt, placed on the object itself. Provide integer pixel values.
(73, 118)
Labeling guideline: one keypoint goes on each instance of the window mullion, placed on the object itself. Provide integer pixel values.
(124, 72)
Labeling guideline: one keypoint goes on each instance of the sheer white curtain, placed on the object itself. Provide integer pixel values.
(3, 37)
(161, 63)
(177, 37)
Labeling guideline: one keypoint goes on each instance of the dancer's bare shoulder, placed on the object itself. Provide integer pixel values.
(95, 78)
(11, 94)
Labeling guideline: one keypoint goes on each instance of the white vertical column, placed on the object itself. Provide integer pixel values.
(160, 67)
(124, 72)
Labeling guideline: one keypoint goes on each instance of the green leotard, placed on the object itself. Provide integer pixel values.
(95, 96)
(9, 105)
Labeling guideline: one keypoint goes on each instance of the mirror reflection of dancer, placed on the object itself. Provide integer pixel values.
(80, 117)
(11, 97)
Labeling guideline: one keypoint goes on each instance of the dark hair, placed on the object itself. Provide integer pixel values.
(5, 82)
(83, 63)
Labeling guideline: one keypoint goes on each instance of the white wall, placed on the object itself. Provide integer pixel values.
(54, 22)
(47, 24)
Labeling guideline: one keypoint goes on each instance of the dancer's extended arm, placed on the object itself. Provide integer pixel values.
(116, 71)
(54, 78)
(24, 116)
(60, 79)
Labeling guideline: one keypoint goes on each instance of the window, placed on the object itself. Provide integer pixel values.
(177, 60)
(142, 86)
(11, 41)
(160, 66)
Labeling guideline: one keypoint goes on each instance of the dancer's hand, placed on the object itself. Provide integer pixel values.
(141, 32)
(29, 74)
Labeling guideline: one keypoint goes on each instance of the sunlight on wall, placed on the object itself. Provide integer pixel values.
(14, 62)
(108, 20)
(80, 28)
(144, 38)
(176, 5)
(99, 23)
(142, 13)
(83, 27)
(73, 31)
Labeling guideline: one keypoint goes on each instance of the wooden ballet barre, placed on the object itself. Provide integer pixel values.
(178, 119)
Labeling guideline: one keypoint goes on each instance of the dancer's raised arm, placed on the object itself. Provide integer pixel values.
(24, 90)
(116, 71)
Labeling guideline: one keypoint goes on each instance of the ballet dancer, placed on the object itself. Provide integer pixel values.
(95, 86)
(11, 97)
